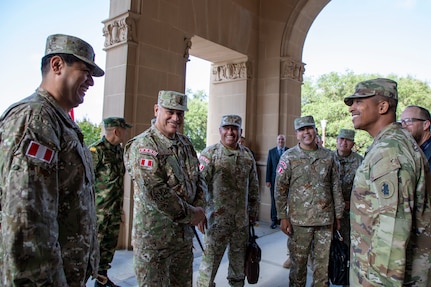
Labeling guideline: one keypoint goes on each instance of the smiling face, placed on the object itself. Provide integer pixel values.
(307, 137)
(229, 136)
(413, 120)
(344, 146)
(168, 121)
(365, 113)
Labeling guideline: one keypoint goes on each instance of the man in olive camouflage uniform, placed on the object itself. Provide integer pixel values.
(109, 172)
(168, 196)
(48, 218)
(348, 162)
(232, 202)
(308, 197)
(389, 205)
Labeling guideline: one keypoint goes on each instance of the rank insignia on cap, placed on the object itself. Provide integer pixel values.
(36, 150)
(147, 163)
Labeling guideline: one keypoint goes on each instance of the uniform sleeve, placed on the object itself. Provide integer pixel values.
(253, 192)
(337, 194)
(281, 190)
(29, 201)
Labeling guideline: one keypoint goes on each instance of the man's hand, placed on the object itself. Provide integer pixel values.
(202, 226)
(338, 224)
(198, 216)
(268, 184)
(286, 226)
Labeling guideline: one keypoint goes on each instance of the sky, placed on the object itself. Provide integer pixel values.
(362, 36)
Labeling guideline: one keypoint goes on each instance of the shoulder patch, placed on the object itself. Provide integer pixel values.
(147, 163)
(148, 151)
(204, 159)
(281, 166)
(386, 189)
(93, 149)
(41, 152)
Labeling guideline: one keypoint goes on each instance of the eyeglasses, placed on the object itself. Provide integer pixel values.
(409, 121)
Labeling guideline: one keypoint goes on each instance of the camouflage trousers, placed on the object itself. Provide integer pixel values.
(418, 268)
(167, 267)
(107, 233)
(301, 244)
(216, 241)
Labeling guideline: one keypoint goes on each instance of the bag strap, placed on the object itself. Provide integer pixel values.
(251, 232)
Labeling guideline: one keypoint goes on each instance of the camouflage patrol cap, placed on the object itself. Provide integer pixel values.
(231, 120)
(65, 44)
(347, 134)
(307, 121)
(116, 122)
(172, 100)
(375, 87)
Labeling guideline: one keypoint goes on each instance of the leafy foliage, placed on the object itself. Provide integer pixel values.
(92, 132)
(324, 100)
(195, 121)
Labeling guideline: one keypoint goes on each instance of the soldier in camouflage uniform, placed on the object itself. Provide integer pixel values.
(109, 172)
(389, 205)
(308, 197)
(48, 218)
(348, 162)
(232, 202)
(168, 196)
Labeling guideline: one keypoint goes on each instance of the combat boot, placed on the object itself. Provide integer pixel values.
(102, 280)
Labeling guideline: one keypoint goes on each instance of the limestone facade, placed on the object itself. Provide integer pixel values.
(255, 47)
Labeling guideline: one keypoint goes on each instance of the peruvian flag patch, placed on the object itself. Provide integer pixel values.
(147, 162)
(36, 150)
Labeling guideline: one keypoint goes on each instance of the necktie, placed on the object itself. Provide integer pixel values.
(280, 151)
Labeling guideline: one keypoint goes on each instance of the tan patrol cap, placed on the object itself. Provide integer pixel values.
(231, 120)
(375, 87)
(172, 100)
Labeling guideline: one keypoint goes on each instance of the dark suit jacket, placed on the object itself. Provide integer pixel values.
(271, 165)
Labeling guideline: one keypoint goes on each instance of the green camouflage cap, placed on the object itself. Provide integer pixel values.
(116, 122)
(65, 44)
(347, 134)
(231, 120)
(307, 121)
(376, 87)
(172, 100)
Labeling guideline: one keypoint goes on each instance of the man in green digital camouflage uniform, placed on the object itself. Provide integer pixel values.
(232, 202)
(109, 172)
(48, 219)
(389, 205)
(348, 162)
(168, 196)
(308, 197)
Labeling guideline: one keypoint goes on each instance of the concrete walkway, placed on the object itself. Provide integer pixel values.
(272, 274)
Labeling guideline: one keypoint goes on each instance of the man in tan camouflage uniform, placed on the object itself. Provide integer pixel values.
(109, 172)
(348, 162)
(232, 200)
(168, 196)
(389, 204)
(48, 218)
(308, 197)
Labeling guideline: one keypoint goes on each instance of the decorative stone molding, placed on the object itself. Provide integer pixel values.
(231, 72)
(120, 30)
(292, 69)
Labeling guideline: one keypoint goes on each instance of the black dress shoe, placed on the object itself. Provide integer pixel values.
(273, 226)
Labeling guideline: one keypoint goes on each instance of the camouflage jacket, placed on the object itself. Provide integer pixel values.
(347, 166)
(233, 188)
(48, 219)
(307, 187)
(167, 183)
(389, 203)
(109, 172)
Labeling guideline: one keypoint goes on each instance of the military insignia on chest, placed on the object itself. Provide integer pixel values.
(386, 189)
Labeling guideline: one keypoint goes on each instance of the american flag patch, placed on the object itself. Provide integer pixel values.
(36, 150)
(279, 169)
(147, 162)
(201, 167)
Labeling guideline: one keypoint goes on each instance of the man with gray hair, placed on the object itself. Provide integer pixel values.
(309, 202)
(48, 218)
(168, 196)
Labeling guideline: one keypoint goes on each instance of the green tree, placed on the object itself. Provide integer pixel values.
(195, 123)
(92, 132)
(323, 98)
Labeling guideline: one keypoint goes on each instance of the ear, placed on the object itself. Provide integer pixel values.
(426, 125)
(383, 107)
(56, 64)
(156, 109)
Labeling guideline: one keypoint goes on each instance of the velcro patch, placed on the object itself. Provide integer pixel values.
(148, 163)
(41, 152)
(148, 151)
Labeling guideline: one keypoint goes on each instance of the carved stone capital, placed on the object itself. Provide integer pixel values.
(120, 30)
(292, 69)
(231, 72)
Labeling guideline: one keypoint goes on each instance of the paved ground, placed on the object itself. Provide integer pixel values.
(272, 273)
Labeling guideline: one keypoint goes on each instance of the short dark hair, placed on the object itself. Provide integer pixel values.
(423, 113)
(67, 58)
